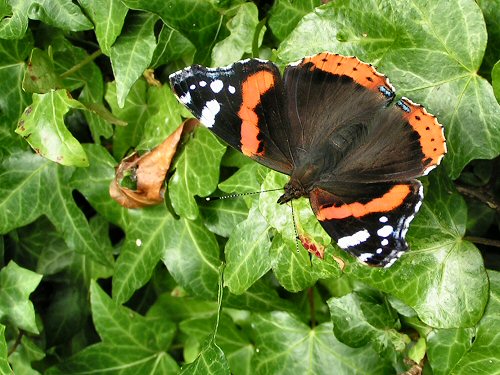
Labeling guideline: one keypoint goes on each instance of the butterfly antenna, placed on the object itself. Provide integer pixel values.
(236, 195)
(295, 228)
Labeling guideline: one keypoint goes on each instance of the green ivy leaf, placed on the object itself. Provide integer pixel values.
(286, 14)
(16, 284)
(132, 52)
(447, 347)
(147, 238)
(284, 344)
(188, 17)
(495, 78)
(172, 46)
(135, 113)
(442, 277)
(42, 125)
(483, 356)
(259, 297)
(63, 14)
(490, 9)
(165, 116)
(32, 186)
(129, 341)
(14, 25)
(12, 68)
(399, 37)
(108, 18)
(196, 172)
(247, 250)
(234, 343)
(191, 255)
(4, 363)
(40, 77)
(93, 182)
(26, 353)
(360, 319)
(242, 28)
(210, 361)
(223, 215)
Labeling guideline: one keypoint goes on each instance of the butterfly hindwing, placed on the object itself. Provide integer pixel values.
(373, 225)
(243, 104)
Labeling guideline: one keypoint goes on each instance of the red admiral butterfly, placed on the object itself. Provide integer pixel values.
(326, 123)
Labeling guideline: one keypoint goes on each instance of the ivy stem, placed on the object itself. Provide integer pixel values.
(479, 194)
(82, 63)
(310, 295)
(16, 344)
(483, 241)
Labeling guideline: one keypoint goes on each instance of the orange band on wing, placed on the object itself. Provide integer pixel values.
(430, 131)
(253, 88)
(364, 74)
(387, 202)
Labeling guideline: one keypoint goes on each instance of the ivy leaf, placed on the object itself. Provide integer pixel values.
(15, 24)
(62, 14)
(16, 284)
(132, 52)
(191, 255)
(42, 125)
(286, 14)
(4, 363)
(284, 344)
(399, 38)
(210, 361)
(443, 276)
(172, 46)
(495, 79)
(360, 319)
(188, 17)
(223, 215)
(108, 18)
(129, 340)
(242, 28)
(234, 343)
(33, 186)
(196, 172)
(147, 237)
(40, 77)
(26, 353)
(12, 68)
(483, 356)
(447, 346)
(490, 9)
(246, 252)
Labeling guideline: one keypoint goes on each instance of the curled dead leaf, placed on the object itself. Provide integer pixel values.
(145, 175)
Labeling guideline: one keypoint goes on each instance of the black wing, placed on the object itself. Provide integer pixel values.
(244, 105)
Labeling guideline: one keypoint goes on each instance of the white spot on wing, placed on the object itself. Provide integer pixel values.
(186, 98)
(216, 86)
(384, 242)
(383, 219)
(385, 231)
(208, 113)
(203, 83)
(379, 251)
(354, 239)
(231, 89)
(365, 256)
(192, 87)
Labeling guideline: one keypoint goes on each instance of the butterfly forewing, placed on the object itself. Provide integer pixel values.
(243, 104)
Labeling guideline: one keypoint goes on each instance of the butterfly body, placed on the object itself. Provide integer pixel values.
(329, 124)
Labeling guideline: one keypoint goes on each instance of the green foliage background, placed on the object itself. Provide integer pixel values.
(87, 286)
